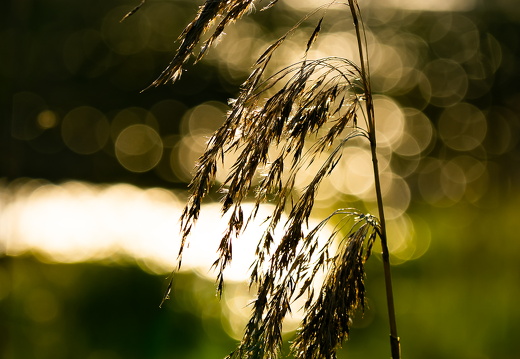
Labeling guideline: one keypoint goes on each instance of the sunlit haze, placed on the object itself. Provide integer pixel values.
(95, 172)
(123, 224)
(419, 5)
(77, 221)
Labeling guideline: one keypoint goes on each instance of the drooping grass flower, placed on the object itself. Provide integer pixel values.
(305, 114)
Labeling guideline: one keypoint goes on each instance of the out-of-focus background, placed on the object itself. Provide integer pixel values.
(93, 177)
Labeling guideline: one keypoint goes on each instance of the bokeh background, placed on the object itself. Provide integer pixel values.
(93, 176)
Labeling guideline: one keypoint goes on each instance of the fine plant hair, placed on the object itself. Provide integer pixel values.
(279, 125)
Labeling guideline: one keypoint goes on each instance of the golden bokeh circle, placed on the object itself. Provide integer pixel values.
(138, 148)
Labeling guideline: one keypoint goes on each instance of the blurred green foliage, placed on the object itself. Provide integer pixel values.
(103, 311)
(457, 301)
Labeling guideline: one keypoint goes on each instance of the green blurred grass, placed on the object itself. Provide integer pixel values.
(457, 301)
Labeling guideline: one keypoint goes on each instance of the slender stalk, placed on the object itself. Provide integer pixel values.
(394, 338)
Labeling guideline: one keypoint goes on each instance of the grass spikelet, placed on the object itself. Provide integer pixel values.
(228, 11)
(312, 95)
(327, 321)
(133, 11)
(313, 36)
(285, 120)
(278, 125)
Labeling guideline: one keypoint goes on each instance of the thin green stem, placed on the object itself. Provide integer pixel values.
(394, 338)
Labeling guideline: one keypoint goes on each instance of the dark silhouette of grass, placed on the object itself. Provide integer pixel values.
(278, 125)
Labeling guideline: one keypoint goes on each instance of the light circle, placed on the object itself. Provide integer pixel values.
(462, 127)
(138, 148)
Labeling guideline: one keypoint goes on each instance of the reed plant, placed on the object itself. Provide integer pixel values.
(280, 124)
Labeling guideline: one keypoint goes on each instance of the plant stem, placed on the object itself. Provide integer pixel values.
(394, 339)
(361, 40)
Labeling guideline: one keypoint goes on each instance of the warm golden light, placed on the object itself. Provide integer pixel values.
(418, 5)
(82, 222)
(139, 148)
(77, 221)
(47, 119)
(430, 5)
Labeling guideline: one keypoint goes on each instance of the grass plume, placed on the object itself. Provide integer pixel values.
(306, 113)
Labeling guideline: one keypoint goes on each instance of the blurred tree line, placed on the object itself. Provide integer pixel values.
(58, 57)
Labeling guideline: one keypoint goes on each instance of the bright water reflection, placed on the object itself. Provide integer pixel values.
(82, 222)
(77, 221)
